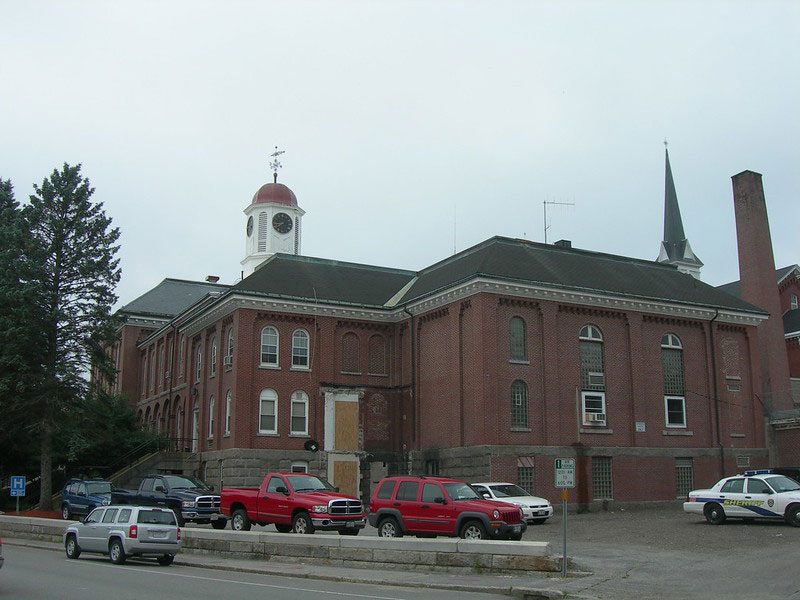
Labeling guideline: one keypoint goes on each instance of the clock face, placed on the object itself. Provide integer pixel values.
(249, 226)
(282, 222)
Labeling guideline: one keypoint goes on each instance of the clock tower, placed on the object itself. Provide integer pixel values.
(272, 225)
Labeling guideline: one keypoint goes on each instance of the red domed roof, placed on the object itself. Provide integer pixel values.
(276, 193)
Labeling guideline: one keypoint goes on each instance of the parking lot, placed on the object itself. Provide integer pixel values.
(666, 553)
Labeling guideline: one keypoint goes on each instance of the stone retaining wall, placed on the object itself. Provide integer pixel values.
(439, 554)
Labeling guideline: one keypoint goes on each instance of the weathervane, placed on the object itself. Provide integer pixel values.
(275, 163)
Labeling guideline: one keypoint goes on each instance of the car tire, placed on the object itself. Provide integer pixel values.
(66, 513)
(71, 546)
(515, 537)
(302, 523)
(240, 521)
(348, 532)
(165, 560)
(116, 552)
(473, 530)
(714, 513)
(219, 523)
(281, 528)
(793, 516)
(389, 528)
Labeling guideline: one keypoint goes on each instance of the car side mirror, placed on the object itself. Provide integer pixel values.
(282, 490)
(160, 488)
(486, 495)
(81, 493)
(440, 500)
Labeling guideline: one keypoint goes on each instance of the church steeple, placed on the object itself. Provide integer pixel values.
(675, 248)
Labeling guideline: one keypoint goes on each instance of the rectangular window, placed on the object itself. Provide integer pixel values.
(386, 489)
(593, 408)
(267, 419)
(299, 416)
(675, 407)
(592, 371)
(684, 477)
(407, 491)
(300, 350)
(601, 478)
(672, 364)
(228, 414)
(525, 478)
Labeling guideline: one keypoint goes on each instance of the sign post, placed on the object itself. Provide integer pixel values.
(565, 478)
(17, 487)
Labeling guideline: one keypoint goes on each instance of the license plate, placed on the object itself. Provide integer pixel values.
(517, 528)
(350, 524)
(540, 513)
(159, 535)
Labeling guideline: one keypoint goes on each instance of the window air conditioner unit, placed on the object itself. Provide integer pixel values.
(227, 361)
(596, 418)
(597, 379)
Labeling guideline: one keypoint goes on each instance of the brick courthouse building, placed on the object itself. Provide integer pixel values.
(486, 365)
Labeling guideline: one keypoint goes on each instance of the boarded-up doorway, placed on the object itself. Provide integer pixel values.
(343, 440)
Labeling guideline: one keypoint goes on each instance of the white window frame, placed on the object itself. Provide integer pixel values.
(296, 335)
(272, 331)
(666, 412)
(593, 410)
(299, 466)
(230, 343)
(590, 333)
(228, 401)
(211, 417)
(268, 395)
(213, 369)
(182, 355)
(299, 398)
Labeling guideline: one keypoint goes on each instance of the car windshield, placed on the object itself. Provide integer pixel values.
(184, 483)
(508, 490)
(780, 483)
(308, 483)
(460, 491)
(98, 487)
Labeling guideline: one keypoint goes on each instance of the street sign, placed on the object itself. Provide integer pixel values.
(565, 472)
(17, 485)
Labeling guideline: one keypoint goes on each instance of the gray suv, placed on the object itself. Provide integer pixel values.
(125, 531)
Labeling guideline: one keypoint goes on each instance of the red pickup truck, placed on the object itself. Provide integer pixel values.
(296, 502)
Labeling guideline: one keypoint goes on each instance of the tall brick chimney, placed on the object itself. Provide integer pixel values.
(759, 286)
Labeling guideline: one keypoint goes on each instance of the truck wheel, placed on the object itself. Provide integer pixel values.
(219, 523)
(240, 521)
(116, 552)
(793, 516)
(71, 546)
(389, 528)
(179, 518)
(473, 530)
(165, 560)
(302, 523)
(283, 528)
(66, 514)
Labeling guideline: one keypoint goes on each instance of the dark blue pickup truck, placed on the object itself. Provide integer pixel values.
(190, 499)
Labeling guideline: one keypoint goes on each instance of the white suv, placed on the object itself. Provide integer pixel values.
(535, 510)
(123, 531)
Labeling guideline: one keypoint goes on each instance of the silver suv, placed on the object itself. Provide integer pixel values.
(124, 531)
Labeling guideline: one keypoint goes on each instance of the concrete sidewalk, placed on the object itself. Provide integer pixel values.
(531, 587)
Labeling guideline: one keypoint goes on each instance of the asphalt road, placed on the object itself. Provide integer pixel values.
(45, 574)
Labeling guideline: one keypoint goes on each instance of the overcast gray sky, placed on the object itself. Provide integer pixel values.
(410, 128)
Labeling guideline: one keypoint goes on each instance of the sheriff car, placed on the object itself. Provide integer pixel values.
(752, 495)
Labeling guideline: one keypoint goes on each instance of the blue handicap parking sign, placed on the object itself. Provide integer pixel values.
(17, 485)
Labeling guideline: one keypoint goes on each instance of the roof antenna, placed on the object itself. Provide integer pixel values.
(545, 203)
(275, 164)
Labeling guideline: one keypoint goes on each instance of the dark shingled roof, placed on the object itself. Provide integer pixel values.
(330, 281)
(734, 287)
(312, 279)
(170, 298)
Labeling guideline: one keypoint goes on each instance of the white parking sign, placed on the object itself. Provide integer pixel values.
(565, 472)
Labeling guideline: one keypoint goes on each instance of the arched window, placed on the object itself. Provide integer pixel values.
(593, 378)
(299, 420)
(211, 417)
(213, 366)
(153, 365)
(269, 346)
(300, 349)
(351, 349)
(182, 355)
(161, 364)
(268, 411)
(674, 391)
(170, 361)
(144, 376)
(517, 339)
(519, 405)
(377, 355)
(228, 401)
(229, 352)
(156, 419)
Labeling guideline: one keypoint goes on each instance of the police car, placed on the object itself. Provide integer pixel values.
(752, 495)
